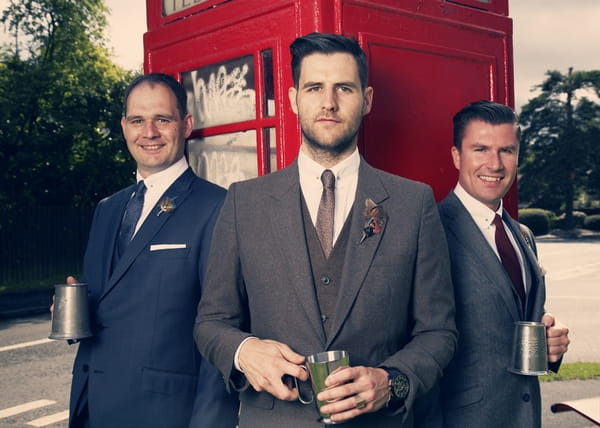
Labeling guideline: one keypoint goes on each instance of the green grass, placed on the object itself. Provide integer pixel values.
(574, 371)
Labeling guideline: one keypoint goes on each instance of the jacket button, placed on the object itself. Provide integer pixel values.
(526, 397)
(85, 368)
(325, 280)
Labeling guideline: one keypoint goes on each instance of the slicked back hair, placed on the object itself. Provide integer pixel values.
(327, 43)
(484, 111)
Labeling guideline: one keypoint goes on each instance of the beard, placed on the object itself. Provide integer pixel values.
(336, 147)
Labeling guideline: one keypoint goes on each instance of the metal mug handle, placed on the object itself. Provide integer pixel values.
(300, 398)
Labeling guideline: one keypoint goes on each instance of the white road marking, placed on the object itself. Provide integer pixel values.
(24, 344)
(50, 419)
(22, 408)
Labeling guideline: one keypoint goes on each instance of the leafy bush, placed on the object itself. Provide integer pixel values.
(592, 222)
(578, 219)
(537, 219)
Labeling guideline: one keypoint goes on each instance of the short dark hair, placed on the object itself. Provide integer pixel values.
(326, 43)
(484, 111)
(159, 79)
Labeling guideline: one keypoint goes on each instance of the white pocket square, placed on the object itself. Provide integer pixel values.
(158, 247)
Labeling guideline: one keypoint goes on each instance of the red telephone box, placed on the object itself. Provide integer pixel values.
(427, 59)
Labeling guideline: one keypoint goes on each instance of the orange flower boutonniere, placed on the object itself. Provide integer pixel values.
(376, 218)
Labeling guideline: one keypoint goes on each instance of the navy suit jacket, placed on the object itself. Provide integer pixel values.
(141, 366)
(477, 388)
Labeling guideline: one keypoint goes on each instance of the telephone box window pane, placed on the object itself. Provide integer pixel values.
(172, 6)
(224, 159)
(267, 60)
(271, 145)
(221, 93)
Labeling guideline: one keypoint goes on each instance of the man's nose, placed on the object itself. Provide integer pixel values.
(150, 130)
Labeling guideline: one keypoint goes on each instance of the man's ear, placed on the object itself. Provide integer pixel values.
(292, 92)
(455, 157)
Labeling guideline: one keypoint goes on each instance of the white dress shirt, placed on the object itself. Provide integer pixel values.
(484, 217)
(156, 185)
(346, 181)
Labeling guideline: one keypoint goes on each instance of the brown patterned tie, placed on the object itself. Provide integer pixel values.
(326, 210)
(509, 257)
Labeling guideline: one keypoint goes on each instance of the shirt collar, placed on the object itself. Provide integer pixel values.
(482, 214)
(160, 181)
(310, 171)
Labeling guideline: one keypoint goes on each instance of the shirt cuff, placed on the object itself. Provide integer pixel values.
(236, 362)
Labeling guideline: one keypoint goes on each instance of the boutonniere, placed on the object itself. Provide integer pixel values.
(166, 205)
(376, 218)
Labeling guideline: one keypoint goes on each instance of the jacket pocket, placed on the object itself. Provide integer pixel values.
(168, 382)
(465, 397)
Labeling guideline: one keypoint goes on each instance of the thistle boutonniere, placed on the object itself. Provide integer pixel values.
(166, 205)
(376, 218)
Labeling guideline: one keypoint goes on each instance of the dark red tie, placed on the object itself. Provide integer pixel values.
(326, 211)
(509, 257)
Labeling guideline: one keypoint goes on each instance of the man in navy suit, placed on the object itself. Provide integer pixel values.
(141, 367)
(477, 388)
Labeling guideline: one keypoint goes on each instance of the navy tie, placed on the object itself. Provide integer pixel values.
(509, 257)
(326, 211)
(131, 216)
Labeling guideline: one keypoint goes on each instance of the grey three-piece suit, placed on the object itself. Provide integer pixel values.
(394, 307)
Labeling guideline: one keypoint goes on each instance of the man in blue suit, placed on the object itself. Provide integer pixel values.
(477, 388)
(141, 367)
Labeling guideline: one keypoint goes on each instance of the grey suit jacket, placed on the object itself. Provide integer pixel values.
(395, 307)
(477, 389)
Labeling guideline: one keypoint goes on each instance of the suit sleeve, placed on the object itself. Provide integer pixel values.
(221, 322)
(433, 338)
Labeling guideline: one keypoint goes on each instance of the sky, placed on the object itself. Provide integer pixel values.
(547, 35)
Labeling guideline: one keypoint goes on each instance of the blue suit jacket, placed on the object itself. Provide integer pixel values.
(477, 388)
(141, 366)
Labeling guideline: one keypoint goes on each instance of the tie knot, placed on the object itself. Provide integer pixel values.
(328, 179)
(497, 221)
(140, 190)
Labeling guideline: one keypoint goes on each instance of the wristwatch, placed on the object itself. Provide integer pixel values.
(399, 386)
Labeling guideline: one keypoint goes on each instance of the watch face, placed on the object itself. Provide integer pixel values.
(400, 387)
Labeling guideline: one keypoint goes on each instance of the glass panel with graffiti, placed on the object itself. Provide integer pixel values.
(221, 93)
(224, 159)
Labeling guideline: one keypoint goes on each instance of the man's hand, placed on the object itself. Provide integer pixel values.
(266, 362)
(557, 338)
(354, 391)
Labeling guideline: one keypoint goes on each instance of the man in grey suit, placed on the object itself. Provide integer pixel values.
(477, 388)
(378, 285)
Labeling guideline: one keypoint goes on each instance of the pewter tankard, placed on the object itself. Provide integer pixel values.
(70, 317)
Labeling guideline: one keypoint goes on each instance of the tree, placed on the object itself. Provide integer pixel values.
(60, 106)
(559, 144)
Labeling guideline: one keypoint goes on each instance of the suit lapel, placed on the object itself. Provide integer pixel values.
(179, 190)
(117, 206)
(467, 234)
(533, 275)
(359, 256)
(289, 230)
